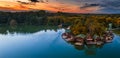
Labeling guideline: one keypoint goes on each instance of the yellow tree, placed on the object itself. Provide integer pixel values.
(90, 25)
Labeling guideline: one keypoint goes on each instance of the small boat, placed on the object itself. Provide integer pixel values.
(64, 35)
(108, 36)
(108, 39)
(67, 37)
(90, 40)
(79, 41)
(99, 41)
(70, 38)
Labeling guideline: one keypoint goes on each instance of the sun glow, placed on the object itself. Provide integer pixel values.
(54, 7)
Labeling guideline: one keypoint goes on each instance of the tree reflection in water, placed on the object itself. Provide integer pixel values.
(88, 49)
(89, 45)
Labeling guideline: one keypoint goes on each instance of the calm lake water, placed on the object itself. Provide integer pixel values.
(49, 44)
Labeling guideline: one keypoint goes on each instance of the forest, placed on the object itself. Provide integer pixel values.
(78, 22)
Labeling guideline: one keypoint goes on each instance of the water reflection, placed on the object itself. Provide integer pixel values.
(49, 44)
(89, 49)
(28, 44)
(26, 29)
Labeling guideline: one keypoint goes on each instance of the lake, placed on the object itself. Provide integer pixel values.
(49, 44)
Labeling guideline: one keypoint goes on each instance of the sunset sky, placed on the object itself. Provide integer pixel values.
(71, 6)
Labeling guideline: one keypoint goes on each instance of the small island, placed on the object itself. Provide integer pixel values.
(88, 32)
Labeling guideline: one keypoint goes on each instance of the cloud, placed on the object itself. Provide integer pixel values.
(23, 2)
(42, 1)
(88, 5)
(34, 0)
(110, 6)
(103, 6)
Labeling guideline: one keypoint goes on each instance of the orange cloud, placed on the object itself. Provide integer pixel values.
(54, 7)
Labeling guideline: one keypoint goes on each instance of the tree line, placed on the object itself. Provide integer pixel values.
(44, 18)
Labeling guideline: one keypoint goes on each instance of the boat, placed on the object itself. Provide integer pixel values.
(70, 38)
(64, 35)
(108, 39)
(99, 41)
(79, 41)
(90, 40)
(67, 37)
